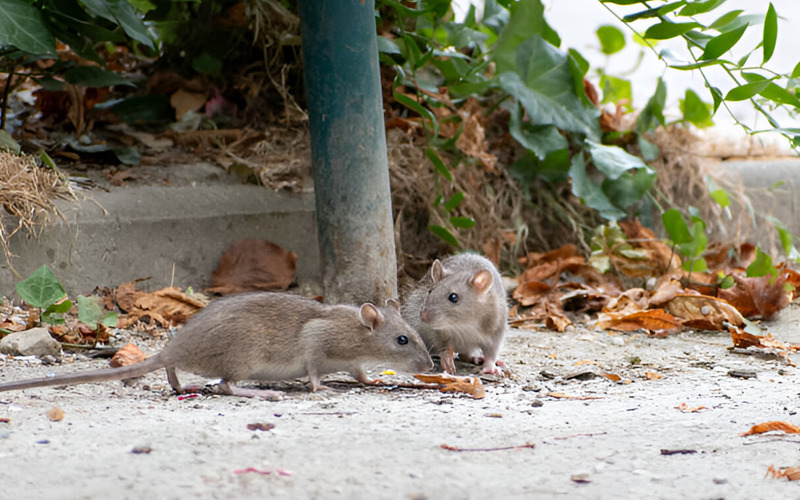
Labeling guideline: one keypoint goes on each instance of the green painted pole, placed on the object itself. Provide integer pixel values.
(348, 149)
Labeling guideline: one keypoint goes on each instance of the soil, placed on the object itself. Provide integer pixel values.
(606, 441)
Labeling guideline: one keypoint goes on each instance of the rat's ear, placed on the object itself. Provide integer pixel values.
(437, 271)
(393, 303)
(482, 281)
(370, 316)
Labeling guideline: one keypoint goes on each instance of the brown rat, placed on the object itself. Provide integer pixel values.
(460, 306)
(273, 336)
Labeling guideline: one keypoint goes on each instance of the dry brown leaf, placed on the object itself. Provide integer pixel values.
(128, 354)
(665, 292)
(584, 362)
(661, 259)
(532, 292)
(611, 376)
(703, 312)
(13, 327)
(55, 414)
(757, 297)
(690, 409)
(628, 302)
(561, 253)
(790, 473)
(555, 319)
(167, 306)
(721, 257)
(561, 395)
(472, 142)
(744, 340)
(774, 425)
(653, 320)
(451, 383)
(652, 375)
(252, 265)
(184, 101)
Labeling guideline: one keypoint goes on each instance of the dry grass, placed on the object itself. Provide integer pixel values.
(27, 192)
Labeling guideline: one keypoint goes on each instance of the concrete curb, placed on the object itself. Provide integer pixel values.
(172, 235)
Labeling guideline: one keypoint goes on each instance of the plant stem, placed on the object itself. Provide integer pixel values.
(5, 99)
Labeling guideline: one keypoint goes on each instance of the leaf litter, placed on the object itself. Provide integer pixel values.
(561, 286)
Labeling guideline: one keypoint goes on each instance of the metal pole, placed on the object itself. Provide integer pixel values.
(348, 147)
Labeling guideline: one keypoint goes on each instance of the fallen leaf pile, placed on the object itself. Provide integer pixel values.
(560, 285)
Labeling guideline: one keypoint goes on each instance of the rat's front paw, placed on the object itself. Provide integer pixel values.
(492, 369)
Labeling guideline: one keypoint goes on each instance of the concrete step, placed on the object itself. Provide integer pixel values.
(169, 234)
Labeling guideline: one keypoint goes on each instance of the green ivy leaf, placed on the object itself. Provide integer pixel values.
(41, 289)
(666, 30)
(762, 266)
(439, 164)
(716, 95)
(89, 311)
(727, 282)
(387, 46)
(110, 319)
(92, 76)
(655, 11)
(696, 265)
(676, 227)
(454, 201)
(787, 239)
(539, 139)
(545, 88)
(122, 13)
(725, 19)
(721, 44)
(694, 8)
(615, 90)
(746, 91)
(770, 33)
(697, 245)
(60, 307)
(22, 25)
(9, 143)
(629, 188)
(444, 235)
(795, 71)
(527, 19)
(721, 197)
(649, 150)
(462, 222)
(695, 111)
(654, 110)
(612, 40)
(207, 64)
(614, 161)
(590, 193)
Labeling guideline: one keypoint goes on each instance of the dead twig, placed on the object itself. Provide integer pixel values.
(501, 448)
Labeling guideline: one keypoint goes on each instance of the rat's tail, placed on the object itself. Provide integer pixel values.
(152, 363)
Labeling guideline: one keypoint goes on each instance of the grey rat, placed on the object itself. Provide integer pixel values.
(273, 336)
(460, 306)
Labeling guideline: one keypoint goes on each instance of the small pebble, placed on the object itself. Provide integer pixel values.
(745, 374)
(536, 403)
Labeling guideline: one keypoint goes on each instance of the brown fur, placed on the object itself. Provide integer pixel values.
(273, 336)
(475, 325)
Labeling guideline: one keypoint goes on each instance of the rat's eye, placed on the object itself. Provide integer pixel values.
(402, 340)
(453, 297)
